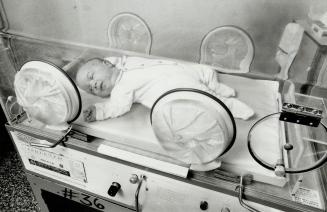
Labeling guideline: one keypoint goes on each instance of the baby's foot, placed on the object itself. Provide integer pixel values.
(239, 109)
(225, 91)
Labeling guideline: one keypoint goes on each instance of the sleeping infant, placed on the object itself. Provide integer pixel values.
(127, 80)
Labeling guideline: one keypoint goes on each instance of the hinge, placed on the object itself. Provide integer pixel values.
(300, 114)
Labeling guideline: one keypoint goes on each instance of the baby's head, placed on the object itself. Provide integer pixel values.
(97, 76)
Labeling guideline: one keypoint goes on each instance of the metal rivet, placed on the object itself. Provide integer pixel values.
(288, 147)
(134, 179)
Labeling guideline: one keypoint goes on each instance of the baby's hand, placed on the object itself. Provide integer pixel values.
(89, 114)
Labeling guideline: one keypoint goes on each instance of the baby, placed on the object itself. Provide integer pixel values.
(128, 80)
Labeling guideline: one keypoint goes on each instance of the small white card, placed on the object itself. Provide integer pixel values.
(307, 197)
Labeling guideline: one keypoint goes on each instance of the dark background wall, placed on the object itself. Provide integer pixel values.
(5, 142)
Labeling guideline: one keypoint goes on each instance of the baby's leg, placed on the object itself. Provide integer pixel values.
(239, 109)
(219, 88)
(224, 90)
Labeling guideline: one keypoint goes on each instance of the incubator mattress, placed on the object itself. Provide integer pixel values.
(134, 131)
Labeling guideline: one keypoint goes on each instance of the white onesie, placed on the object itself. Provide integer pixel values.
(143, 80)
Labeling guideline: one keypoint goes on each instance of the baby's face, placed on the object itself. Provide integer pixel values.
(96, 78)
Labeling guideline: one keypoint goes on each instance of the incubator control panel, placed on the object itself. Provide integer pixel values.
(50, 162)
(119, 184)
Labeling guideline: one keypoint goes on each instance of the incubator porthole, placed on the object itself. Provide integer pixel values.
(296, 144)
(193, 126)
(228, 48)
(130, 32)
(47, 94)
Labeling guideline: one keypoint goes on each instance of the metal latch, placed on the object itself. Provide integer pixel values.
(300, 114)
(69, 133)
(79, 135)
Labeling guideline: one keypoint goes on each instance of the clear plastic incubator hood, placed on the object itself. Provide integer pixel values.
(47, 94)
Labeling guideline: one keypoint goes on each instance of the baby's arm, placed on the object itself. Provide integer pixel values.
(210, 79)
(117, 105)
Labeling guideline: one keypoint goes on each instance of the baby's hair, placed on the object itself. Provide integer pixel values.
(93, 61)
(96, 61)
(89, 62)
(72, 71)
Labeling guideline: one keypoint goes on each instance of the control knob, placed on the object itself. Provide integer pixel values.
(204, 205)
(114, 188)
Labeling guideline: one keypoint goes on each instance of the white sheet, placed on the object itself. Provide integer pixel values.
(134, 128)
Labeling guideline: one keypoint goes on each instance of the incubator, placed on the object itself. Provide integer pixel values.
(188, 149)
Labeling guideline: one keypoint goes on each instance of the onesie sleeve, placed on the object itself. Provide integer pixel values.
(210, 79)
(118, 104)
